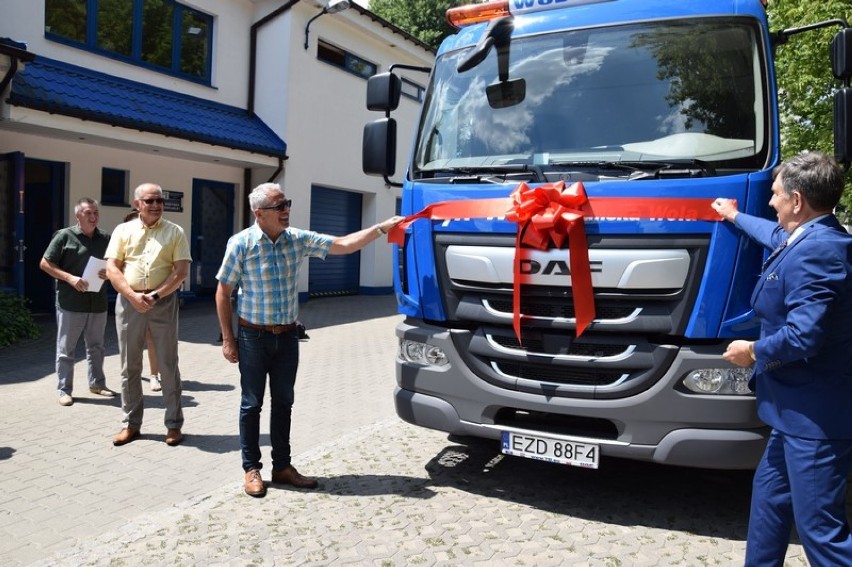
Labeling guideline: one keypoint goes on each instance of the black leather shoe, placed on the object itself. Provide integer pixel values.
(291, 476)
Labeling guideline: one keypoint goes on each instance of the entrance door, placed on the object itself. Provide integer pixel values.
(212, 225)
(11, 223)
(338, 213)
(44, 205)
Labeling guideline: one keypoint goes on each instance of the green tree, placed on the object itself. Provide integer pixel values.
(805, 81)
(424, 19)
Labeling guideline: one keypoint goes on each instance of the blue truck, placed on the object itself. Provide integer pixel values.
(635, 100)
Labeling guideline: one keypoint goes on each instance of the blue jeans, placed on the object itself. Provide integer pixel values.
(263, 353)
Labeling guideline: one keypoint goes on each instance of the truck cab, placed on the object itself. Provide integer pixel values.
(636, 100)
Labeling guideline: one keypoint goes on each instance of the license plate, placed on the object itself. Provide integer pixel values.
(576, 454)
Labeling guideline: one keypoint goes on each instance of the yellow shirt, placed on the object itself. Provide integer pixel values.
(148, 253)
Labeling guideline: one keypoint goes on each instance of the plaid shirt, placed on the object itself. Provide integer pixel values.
(267, 272)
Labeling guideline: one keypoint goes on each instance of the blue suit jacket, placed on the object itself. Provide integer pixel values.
(803, 371)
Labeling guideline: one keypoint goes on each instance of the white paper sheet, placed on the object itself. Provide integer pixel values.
(90, 274)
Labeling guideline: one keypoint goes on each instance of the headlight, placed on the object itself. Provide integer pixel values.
(421, 353)
(722, 381)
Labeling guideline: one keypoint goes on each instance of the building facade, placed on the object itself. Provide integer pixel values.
(207, 98)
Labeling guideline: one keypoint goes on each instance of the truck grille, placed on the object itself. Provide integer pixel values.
(624, 351)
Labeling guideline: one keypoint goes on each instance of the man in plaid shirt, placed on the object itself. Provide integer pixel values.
(263, 261)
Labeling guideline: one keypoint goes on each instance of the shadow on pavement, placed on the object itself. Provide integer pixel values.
(711, 503)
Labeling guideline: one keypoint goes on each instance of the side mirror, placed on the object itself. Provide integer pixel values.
(378, 148)
(843, 126)
(383, 92)
(841, 54)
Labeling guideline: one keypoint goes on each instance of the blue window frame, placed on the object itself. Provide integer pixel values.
(114, 187)
(412, 90)
(345, 60)
(159, 34)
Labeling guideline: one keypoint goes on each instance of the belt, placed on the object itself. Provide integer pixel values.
(143, 290)
(274, 329)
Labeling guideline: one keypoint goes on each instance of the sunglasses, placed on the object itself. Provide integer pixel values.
(157, 200)
(285, 204)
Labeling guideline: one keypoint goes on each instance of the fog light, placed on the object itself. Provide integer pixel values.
(421, 353)
(721, 381)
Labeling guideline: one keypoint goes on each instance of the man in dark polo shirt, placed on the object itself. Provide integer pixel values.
(79, 311)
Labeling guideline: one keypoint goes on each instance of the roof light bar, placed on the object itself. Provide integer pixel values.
(475, 13)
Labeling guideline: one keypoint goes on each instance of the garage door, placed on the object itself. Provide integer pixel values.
(335, 212)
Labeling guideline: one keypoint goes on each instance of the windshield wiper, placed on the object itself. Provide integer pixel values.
(485, 173)
(637, 170)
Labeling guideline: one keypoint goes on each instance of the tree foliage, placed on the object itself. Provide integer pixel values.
(806, 84)
(424, 19)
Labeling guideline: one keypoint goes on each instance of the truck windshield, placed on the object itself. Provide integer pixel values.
(624, 102)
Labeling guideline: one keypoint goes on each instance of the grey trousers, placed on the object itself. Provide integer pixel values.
(130, 325)
(69, 326)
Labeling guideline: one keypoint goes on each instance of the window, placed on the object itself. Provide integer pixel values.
(161, 34)
(114, 187)
(412, 90)
(345, 60)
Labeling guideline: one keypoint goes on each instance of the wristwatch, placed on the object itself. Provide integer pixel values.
(155, 296)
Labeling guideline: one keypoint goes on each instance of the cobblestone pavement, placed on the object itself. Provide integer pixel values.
(390, 493)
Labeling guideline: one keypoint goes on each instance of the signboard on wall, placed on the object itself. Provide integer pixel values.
(173, 201)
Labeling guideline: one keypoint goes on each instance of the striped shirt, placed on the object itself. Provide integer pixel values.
(267, 273)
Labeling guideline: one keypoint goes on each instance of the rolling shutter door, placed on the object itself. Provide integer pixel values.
(338, 213)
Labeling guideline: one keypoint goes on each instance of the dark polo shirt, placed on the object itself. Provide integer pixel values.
(70, 249)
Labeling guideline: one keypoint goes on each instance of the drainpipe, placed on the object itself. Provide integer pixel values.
(247, 220)
(253, 49)
(15, 55)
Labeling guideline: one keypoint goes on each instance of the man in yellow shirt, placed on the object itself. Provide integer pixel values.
(147, 260)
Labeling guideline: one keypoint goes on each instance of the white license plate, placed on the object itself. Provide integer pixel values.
(586, 455)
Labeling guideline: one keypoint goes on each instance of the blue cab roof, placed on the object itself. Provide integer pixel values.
(610, 12)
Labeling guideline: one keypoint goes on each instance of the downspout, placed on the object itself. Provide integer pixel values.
(15, 54)
(251, 94)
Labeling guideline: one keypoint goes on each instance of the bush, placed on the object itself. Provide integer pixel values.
(17, 323)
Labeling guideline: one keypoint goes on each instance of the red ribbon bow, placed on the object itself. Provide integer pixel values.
(553, 213)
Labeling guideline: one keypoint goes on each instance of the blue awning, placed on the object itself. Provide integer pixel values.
(60, 88)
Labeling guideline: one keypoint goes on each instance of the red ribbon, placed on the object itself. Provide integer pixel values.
(552, 213)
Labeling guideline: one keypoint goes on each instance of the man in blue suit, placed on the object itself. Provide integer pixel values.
(802, 365)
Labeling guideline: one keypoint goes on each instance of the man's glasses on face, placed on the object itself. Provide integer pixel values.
(285, 204)
(157, 200)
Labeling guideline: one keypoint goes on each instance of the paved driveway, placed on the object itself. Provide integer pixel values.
(390, 494)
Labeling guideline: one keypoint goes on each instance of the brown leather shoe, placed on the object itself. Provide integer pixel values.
(125, 436)
(291, 476)
(254, 484)
(173, 437)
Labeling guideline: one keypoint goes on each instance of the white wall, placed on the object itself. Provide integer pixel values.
(326, 113)
(84, 163)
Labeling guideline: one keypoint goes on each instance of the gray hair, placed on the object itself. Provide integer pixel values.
(137, 194)
(815, 176)
(262, 195)
(84, 201)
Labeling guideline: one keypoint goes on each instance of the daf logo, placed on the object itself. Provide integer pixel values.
(553, 267)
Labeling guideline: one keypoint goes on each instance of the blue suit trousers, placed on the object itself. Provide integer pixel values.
(802, 482)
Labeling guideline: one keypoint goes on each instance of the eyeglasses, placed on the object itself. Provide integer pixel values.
(285, 204)
(158, 200)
